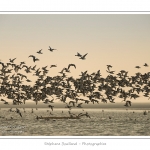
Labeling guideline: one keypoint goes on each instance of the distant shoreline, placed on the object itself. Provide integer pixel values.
(76, 109)
(84, 106)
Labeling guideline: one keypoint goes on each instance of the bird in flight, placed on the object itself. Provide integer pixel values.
(138, 67)
(53, 66)
(146, 65)
(51, 49)
(109, 66)
(83, 57)
(71, 65)
(34, 58)
(40, 52)
(12, 60)
(78, 54)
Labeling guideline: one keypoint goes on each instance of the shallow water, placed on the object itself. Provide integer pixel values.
(122, 123)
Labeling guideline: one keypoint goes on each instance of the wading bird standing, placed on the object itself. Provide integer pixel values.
(18, 111)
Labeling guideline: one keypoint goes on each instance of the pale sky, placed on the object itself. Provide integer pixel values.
(120, 40)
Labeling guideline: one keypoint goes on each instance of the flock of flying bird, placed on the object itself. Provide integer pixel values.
(93, 87)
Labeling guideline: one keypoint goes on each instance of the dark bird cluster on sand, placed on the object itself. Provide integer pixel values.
(94, 87)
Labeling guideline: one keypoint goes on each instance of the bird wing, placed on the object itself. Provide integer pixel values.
(73, 65)
(69, 66)
(78, 54)
(84, 55)
(31, 56)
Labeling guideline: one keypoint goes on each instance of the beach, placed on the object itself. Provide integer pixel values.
(103, 122)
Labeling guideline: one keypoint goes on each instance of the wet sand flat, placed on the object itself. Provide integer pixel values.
(107, 123)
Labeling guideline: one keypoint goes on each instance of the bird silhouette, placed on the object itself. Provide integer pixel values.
(40, 52)
(78, 54)
(71, 65)
(138, 67)
(53, 66)
(34, 58)
(108, 67)
(128, 103)
(146, 65)
(51, 107)
(51, 49)
(12, 60)
(83, 57)
(18, 111)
